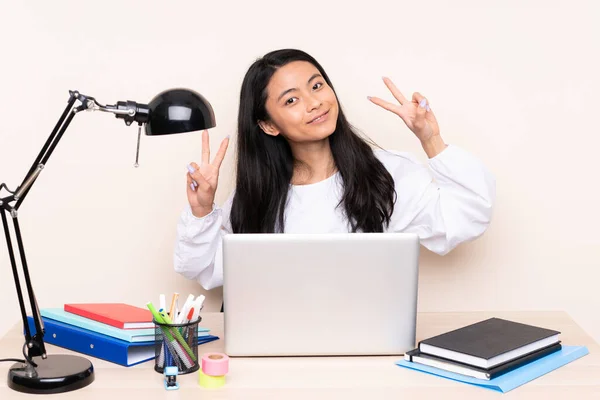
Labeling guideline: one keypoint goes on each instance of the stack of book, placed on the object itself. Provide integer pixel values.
(115, 332)
(487, 349)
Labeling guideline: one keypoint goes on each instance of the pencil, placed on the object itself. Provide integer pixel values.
(173, 301)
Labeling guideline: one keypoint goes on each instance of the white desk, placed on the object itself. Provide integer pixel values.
(332, 377)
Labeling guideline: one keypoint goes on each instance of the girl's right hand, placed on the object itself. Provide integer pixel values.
(202, 180)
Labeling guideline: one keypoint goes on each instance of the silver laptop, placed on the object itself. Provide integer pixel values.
(320, 294)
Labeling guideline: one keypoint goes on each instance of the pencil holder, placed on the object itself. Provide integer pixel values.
(176, 345)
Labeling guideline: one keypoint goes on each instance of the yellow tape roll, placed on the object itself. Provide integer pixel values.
(210, 382)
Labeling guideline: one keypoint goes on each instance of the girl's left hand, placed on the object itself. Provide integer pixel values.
(416, 114)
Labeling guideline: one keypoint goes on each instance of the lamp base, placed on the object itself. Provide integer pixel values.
(58, 373)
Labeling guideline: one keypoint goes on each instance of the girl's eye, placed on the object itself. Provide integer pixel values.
(290, 100)
(317, 85)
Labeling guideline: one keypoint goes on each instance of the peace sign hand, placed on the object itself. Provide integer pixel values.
(416, 114)
(202, 180)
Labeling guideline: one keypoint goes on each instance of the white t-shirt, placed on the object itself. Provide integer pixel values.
(447, 202)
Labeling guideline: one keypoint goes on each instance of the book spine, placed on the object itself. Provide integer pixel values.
(90, 325)
(528, 358)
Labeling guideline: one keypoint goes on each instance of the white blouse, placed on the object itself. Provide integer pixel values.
(445, 204)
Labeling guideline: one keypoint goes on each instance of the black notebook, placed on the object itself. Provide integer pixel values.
(489, 343)
(476, 372)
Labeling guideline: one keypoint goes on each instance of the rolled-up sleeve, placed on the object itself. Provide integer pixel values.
(447, 202)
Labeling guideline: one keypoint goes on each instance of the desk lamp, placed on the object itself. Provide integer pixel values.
(172, 111)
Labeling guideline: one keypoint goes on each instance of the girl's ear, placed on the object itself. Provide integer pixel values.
(269, 128)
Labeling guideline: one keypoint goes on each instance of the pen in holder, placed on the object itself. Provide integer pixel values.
(176, 345)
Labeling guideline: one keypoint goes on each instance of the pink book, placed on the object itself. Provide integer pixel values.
(119, 315)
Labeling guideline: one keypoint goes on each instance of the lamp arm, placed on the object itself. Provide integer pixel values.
(130, 112)
(34, 344)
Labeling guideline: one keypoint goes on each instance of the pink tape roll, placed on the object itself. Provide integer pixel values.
(215, 364)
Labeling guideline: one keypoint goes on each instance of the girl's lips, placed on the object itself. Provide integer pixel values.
(320, 118)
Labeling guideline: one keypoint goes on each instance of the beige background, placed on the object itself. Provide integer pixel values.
(516, 85)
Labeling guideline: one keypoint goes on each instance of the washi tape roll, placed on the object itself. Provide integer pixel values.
(210, 382)
(215, 364)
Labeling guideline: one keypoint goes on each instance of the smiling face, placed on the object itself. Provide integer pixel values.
(301, 106)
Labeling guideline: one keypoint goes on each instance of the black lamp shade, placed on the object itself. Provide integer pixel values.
(179, 111)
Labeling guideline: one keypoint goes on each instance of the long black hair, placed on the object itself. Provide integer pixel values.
(265, 163)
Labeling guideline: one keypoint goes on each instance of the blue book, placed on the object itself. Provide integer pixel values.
(129, 335)
(514, 378)
(100, 346)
